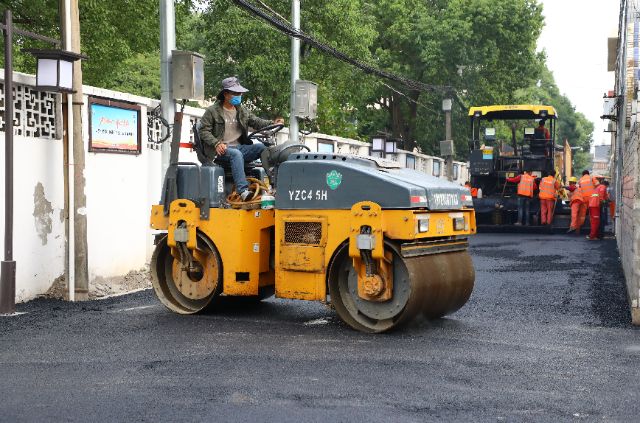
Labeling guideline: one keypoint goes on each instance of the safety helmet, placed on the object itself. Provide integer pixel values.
(573, 179)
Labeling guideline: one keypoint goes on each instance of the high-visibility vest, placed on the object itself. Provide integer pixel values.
(548, 188)
(587, 187)
(525, 187)
(474, 191)
(594, 200)
(576, 196)
(598, 195)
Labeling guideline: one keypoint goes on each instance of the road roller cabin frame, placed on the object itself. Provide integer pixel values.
(503, 144)
(380, 262)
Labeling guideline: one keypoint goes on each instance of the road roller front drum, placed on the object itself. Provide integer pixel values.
(182, 288)
(430, 285)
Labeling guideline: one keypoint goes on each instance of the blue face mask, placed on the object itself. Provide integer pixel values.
(236, 100)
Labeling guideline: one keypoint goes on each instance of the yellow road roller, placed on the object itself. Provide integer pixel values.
(382, 244)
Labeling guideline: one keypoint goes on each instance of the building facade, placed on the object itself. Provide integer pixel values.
(625, 145)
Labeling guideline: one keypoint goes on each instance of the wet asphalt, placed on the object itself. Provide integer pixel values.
(546, 336)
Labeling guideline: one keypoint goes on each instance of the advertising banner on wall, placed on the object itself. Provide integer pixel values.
(114, 127)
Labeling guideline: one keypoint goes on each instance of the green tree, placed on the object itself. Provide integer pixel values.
(235, 43)
(484, 49)
(120, 38)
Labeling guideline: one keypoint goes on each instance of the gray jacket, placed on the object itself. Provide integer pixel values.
(212, 127)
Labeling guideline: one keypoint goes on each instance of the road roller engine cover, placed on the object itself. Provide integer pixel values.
(382, 244)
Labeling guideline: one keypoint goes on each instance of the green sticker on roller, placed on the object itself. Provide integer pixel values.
(334, 179)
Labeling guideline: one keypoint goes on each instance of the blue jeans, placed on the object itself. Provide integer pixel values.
(237, 156)
(524, 207)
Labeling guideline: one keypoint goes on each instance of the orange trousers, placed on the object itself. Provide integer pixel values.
(594, 220)
(546, 211)
(578, 214)
(612, 209)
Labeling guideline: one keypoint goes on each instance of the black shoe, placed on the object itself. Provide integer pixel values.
(570, 230)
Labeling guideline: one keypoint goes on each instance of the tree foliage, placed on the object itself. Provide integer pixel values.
(236, 43)
(116, 35)
(476, 51)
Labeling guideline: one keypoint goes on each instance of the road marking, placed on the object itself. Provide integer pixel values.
(633, 349)
(120, 294)
(122, 310)
(17, 313)
(321, 321)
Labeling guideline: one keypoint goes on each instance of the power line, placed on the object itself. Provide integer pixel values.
(419, 104)
(285, 27)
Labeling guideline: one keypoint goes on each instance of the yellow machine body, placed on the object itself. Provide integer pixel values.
(306, 242)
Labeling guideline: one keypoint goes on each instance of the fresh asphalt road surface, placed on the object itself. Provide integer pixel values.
(545, 337)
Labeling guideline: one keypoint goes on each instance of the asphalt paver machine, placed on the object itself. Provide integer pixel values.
(380, 243)
(505, 141)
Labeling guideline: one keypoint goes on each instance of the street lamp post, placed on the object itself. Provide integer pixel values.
(54, 74)
(8, 278)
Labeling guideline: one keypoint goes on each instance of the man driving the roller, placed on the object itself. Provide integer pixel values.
(224, 133)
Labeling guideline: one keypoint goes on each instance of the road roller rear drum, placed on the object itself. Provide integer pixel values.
(183, 289)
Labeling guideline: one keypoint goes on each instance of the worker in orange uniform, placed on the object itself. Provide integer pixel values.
(474, 191)
(548, 195)
(542, 133)
(587, 185)
(526, 186)
(578, 205)
(598, 196)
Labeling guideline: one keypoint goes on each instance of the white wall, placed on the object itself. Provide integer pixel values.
(38, 223)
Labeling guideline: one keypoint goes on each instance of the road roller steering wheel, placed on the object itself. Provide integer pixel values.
(265, 134)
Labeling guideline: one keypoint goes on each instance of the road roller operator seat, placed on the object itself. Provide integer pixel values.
(250, 169)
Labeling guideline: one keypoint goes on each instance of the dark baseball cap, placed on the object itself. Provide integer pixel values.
(233, 84)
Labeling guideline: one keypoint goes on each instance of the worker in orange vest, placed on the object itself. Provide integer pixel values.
(578, 205)
(474, 191)
(598, 196)
(587, 185)
(526, 186)
(548, 195)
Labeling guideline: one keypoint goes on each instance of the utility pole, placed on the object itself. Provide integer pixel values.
(295, 70)
(78, 270)
(446, 107)
(167, 45)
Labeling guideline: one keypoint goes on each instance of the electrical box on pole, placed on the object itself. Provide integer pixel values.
(447, 148)
(187, 69)
(306, 100)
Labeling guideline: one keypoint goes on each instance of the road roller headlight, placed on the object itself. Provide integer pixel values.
(422, 223)
(459, 222)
